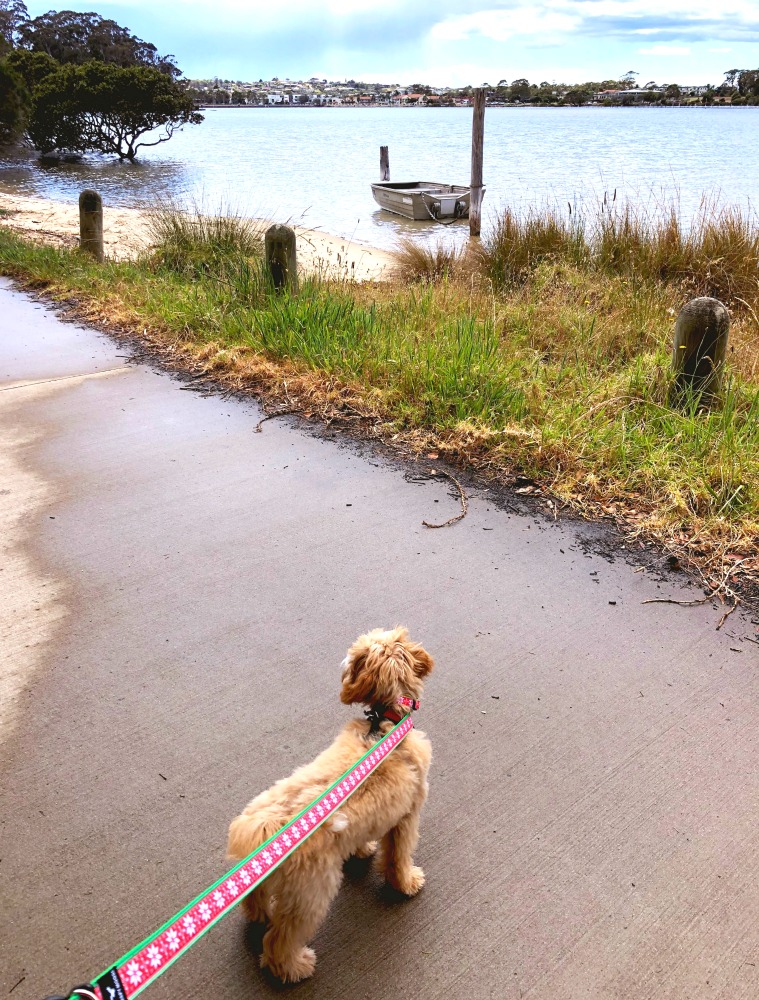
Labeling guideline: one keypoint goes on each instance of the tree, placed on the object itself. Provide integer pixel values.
(70, 37)
(578, 96)
(14, 104)
(108, 109)
(748, 83)
(33, 67)
(730, 77)
(239, 97)
(13, 14)
(520, 90)
(673, 93)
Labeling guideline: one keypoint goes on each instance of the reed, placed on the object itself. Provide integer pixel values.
(716, 253)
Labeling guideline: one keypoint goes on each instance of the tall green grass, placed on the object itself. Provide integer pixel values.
(195, 243)
(716, 253)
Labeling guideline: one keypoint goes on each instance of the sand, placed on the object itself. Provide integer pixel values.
(126, 234)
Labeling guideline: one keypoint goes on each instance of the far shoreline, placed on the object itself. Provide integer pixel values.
(468, 107)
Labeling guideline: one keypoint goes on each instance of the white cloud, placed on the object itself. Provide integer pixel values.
(686, 10)
(500, 25)
(666, 50)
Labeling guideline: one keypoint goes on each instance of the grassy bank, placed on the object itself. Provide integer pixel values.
(535, 356)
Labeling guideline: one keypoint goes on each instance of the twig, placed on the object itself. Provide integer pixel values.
(684, 604)
(271, 416)
(727, 614)
(462, 497)
(703, 600)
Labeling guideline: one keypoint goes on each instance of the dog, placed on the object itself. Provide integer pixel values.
(381, 818)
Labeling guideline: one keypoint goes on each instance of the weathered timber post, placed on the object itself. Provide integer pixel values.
(91, 224)
(698, 355)
(384, 163)
(478, 141)
(280, 256)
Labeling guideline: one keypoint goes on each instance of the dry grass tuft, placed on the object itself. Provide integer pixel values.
(420, 262)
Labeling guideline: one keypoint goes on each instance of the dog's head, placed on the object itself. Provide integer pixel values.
(383, 666)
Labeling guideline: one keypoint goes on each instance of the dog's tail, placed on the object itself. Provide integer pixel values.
(248, 831)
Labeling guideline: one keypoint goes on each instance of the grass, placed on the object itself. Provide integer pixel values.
(196, 244)
(716, 254)
(558, 372)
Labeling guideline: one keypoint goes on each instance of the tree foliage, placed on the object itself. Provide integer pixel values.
(108, 109)
(748, 83)
(72, 37)
(13, 14)
(33, 67)
(14, 104)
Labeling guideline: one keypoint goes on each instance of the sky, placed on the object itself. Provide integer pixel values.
(445, 42)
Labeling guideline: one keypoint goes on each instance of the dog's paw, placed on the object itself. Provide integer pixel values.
(367, 850)
(294, 968)
(409, 882)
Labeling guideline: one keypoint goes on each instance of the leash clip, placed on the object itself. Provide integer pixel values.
(85, 992)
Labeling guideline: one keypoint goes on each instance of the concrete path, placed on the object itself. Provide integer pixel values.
(177, 595)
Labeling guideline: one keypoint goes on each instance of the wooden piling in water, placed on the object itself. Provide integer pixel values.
(478, 142)
(91, 224)
(698, 355)
(384, 163)
(281, 258)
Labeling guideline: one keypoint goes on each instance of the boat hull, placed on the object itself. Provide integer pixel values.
(423, 200)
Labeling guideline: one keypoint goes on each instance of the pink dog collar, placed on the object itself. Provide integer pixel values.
(409, 704)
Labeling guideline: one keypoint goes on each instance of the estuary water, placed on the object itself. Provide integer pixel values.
(313, 166)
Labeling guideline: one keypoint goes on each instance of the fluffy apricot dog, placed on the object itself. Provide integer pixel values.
(380, 668)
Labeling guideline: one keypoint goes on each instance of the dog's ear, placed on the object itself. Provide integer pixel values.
(423, 662)
(357, 685)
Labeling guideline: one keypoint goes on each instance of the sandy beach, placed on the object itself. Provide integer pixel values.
(126, 234)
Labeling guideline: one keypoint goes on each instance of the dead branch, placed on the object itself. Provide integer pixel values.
(462, 497)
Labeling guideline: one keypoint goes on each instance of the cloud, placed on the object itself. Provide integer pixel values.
(402, 41)
(665, 50)
(499, 25)
(675, 18)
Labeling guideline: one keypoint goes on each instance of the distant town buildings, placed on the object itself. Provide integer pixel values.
(351, 93)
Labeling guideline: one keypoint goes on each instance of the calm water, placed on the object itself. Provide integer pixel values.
(314, 166)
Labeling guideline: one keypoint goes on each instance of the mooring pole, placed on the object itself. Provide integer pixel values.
(384, 163)
(280, 257)
(478, 142)
(91, 224)
(698, 354)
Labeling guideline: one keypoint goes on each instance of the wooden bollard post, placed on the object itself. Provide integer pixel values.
(281, 258)
(91, 224)
(478, 142)
(384, 163)
(698, 355)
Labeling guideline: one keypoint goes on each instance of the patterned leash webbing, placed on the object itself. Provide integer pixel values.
(143, 964)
